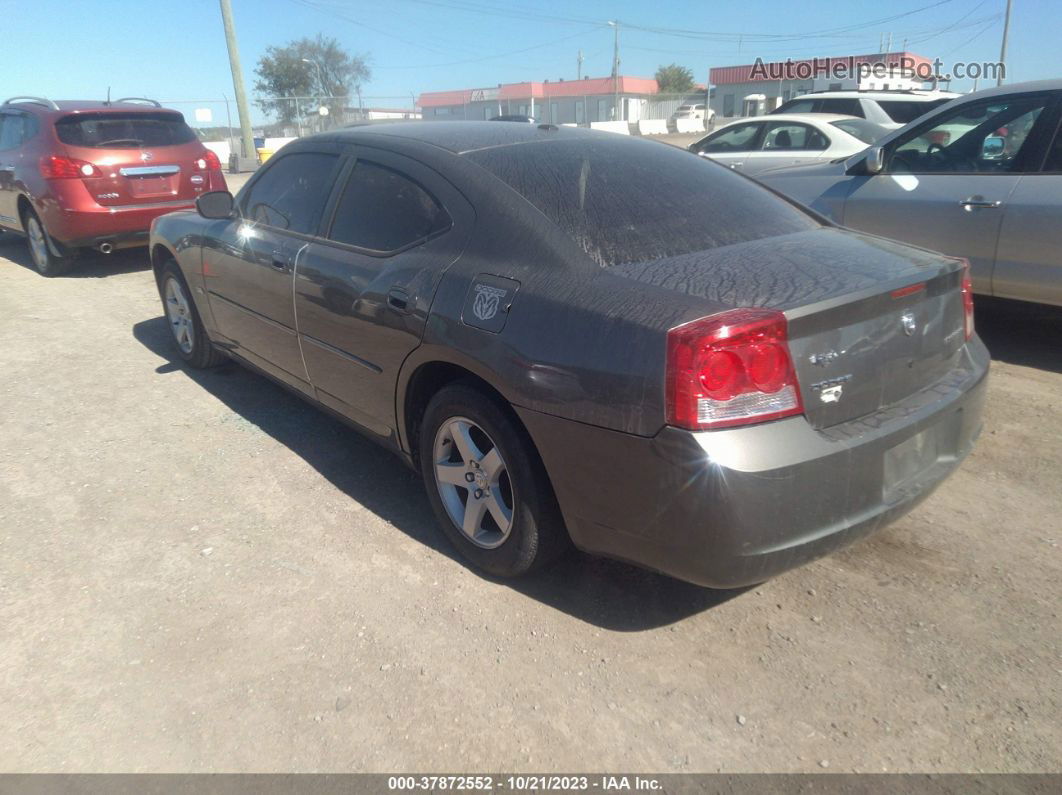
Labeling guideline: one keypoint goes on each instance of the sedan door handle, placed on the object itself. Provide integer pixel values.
(978, 203)
(735, 165)
(7, 168)
(398, 300)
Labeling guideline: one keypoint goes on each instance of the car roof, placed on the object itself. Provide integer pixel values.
(915, 94)
(462, 136)
(86, 105)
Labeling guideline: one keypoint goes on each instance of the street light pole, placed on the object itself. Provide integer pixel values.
(615, 72)
(320, 80)
(246, 135)
(1003, 46)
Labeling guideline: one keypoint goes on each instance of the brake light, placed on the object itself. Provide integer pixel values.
(208, 162)
(967, 299)
(730, 369)
(55, 167)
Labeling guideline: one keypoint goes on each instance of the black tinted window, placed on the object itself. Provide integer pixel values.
(382, 210)
(904, 110)
(124, 131)
(292, 192)
(843, 107)
(634, 201)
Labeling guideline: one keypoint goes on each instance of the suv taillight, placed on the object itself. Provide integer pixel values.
(208, 162)
(730, 369)
(55, 167)
(967, 299)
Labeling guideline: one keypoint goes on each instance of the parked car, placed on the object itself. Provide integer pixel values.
(587, 336)
(980, 178)
(754, 145)
(696, 110)
(77, 175)
(890, 109)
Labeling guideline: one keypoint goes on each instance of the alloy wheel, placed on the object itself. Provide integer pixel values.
(473, 482)
(38, 244)
(179, 314)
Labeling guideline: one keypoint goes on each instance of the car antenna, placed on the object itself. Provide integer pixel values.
(108, 102)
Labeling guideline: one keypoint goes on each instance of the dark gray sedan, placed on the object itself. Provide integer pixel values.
(578, 336)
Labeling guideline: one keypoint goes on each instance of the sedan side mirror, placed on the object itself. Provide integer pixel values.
(216, 205)
(875, 160)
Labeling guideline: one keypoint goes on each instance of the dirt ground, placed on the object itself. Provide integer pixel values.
(198, 572)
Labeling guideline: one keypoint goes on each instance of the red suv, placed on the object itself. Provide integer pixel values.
(77, 175)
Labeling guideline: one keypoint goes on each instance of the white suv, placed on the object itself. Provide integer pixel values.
(694, 111)
(890, 109)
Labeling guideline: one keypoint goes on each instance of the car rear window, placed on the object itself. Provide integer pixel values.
(864, 130)
(634, 201)
(905, 110)
(124, 130)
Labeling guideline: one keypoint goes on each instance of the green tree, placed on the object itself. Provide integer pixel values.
(674, 79)
(292, 71)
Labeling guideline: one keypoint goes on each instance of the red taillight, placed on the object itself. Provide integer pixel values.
(730, 369)
(208, 162)
(967, 300)
(55, 167)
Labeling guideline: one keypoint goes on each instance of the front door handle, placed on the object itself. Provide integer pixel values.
(398, 300)
(7, 168)
(978, 203)
(735, 165)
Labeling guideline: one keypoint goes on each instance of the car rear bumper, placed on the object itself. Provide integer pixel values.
(735, 507)
(121, 226)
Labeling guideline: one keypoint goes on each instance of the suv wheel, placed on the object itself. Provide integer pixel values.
(43, 249)
(486, 484)
(189, 336)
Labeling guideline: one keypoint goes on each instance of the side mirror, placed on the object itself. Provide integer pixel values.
(216, 205)
(992, 147)
(875, 160)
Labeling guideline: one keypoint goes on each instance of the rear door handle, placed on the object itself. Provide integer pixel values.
(7, 168)
(279, 261)
(735, 165)
(398, 300)
(978, 203)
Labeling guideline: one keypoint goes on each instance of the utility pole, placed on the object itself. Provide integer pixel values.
(1003, 46)
(579, 60)
(246, 135)
(615, 73)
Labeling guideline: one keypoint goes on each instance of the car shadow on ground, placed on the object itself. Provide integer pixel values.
(1017, 332)
(88, 265)
(606, 593)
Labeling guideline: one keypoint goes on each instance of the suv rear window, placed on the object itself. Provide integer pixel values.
(634, 201)
(905, 110)
(124, 130)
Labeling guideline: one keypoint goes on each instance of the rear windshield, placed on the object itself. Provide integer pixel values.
(905, 110)
(124, 131)
(634, 201)
(864, 130)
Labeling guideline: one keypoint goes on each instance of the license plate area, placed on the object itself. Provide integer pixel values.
(907, 463)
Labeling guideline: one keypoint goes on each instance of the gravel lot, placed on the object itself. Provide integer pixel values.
(200, 572)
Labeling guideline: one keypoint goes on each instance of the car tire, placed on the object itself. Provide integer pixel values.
(182, 318)
(479, 468)
(43, 248)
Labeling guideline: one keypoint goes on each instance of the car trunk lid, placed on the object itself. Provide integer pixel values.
(870, 321)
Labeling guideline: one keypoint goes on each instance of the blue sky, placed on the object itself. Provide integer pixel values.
(175, 51)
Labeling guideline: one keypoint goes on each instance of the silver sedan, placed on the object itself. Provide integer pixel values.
(757, 144)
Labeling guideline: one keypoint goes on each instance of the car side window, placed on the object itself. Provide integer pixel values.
(383, 210)
(842, 107)
(793, 137)
(292, 191)
(737, 138)
(11, 131)
(798, 106)
(1053, 164)
(980, 137)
